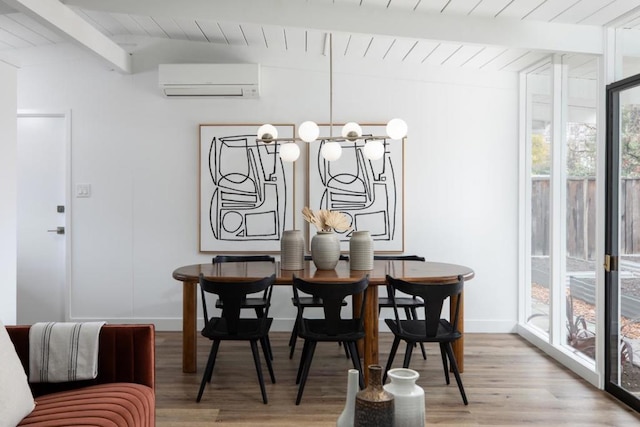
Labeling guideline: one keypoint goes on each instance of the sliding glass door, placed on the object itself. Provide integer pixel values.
(622, 242)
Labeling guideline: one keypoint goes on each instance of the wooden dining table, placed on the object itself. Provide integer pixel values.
(429, 273)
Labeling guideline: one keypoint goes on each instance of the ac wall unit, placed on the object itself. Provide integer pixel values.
(210, 80)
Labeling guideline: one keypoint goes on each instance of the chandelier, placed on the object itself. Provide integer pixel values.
(331, 150)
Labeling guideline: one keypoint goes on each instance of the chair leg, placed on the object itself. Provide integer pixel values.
(213, 354)
(268, 344)
(293, 339)
(265, 349)
(392, 355)
(260, 315)
(305, 350)
(208, 370)
(414, 316)
(456, 372)
(305, 370)
(407, 354)
(444, 361)
(346, 350)
(256, 360)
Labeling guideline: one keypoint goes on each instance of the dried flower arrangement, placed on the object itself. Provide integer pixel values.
(326, 220)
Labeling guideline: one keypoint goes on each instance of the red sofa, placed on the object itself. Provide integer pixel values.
(122, 395)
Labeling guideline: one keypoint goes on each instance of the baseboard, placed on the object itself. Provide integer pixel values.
(286, 324)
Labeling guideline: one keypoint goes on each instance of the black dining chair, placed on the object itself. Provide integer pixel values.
(229, 326)
(430, 329)
(332, 327)
(409, 304)
(309, 302)
(259, 303)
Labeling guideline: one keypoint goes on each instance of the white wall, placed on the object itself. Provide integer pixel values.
(8, 179)
(138, 150)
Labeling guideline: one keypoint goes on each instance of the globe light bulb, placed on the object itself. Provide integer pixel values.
(267, 132)
(397, 129)
(308, 131)
(351, 131)
(373, 150)
(289, 152)
(331, 151)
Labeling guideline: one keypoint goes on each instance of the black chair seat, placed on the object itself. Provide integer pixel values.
(251, 303)
(401, 302)
(247, 329)
(344, 330)
(415, 331)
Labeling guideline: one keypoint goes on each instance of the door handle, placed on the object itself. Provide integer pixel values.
(58, 230)
(610, 263)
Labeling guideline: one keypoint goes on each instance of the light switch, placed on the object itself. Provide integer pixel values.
(83, 190)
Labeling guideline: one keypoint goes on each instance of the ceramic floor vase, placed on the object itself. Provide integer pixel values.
(374, 405)
(346, 417)
(325, 250)
(408, 397)
(361, 251)
(292, 250)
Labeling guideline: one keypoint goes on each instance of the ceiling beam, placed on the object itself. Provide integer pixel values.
(351, 18)
(61, 19)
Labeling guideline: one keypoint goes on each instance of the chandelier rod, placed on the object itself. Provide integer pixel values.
(330, 84)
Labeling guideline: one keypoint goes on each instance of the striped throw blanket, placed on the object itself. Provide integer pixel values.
(61, 352)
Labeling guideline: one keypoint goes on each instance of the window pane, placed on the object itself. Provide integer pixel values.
(539, 117)
(580, 145)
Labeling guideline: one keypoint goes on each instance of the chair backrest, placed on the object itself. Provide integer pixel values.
(232, 295)
(399, 258)
(434, 295)
(242, 258)
(332, 295)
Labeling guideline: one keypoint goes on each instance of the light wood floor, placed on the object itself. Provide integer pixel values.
(508, 383)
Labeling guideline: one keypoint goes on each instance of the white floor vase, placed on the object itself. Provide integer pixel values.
(408, 397)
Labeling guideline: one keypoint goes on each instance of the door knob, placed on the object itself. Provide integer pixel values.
(58, 230)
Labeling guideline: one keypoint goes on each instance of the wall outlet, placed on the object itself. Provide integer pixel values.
(83, 190)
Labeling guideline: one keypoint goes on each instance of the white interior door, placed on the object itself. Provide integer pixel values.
(42, 217)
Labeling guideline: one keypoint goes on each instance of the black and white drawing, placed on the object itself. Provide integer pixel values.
(369, 192)
(246, 190)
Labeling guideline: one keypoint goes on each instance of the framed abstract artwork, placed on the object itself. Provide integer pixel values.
(246, 190)
(369, 192)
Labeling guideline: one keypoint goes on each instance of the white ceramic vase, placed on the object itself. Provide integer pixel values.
(408, 396)
(325, 250)
(346, 417)
(361, 251)
(292, 250)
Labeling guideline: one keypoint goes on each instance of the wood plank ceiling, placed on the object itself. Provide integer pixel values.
(18, 30)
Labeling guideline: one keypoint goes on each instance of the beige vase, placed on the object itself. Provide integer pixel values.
(325, 250)
(292, 250)
(361, 251)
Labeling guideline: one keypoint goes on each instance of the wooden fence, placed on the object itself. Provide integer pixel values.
(581, 217)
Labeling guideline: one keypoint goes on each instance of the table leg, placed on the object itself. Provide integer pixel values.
(189, 301)
(458, 345)
(370, 331)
